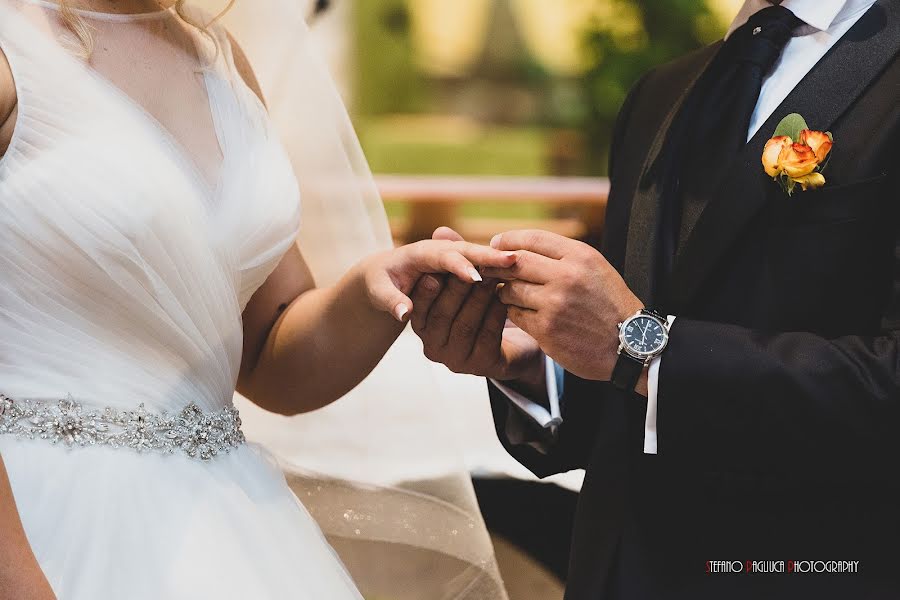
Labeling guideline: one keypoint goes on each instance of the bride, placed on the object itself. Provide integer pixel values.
(147, 269)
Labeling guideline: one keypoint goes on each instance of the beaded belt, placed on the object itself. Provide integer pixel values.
(197, 434)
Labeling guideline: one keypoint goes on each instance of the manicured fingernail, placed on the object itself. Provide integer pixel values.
(475, 275)
(495, 241)
(400, 312)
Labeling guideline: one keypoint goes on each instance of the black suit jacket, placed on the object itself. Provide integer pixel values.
(779, 402)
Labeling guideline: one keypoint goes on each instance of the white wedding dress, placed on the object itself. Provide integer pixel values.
(143, 200)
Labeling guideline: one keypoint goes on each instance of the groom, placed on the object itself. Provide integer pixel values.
(741, 430)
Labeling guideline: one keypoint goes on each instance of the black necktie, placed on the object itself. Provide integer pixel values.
(712, 125)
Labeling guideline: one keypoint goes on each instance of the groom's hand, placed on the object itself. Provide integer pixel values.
(390, 275)
(464, 327)
(568, 297)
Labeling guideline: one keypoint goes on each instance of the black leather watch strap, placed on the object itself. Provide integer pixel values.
(627, 371)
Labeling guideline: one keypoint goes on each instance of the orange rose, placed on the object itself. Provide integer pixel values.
(811, 181)
(819, 142)
(771, 154)
(791, 163)
(797, 160)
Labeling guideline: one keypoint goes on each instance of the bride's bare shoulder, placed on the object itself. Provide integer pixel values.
(8, 103)
(242, 64)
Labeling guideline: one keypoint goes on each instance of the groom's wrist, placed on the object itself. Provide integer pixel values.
(531, 381)
(642, 384)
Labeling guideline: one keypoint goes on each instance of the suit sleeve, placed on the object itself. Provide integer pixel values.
(570, 448)
(544, 454)
(731, 397)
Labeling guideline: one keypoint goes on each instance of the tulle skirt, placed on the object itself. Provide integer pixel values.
(113, 524)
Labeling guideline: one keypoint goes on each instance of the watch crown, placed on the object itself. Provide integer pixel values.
(618, 326)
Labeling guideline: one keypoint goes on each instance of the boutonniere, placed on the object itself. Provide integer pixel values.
(796, 155)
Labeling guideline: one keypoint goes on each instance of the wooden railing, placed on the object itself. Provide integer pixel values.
(575, 205)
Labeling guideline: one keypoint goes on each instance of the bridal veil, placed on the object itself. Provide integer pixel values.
(381, 470)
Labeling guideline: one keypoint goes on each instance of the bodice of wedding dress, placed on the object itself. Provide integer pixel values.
(143, 199)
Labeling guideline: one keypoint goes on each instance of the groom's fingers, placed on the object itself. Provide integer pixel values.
(522, 294)
(525, 319)
(467, 324)
(485, 352)
(443, 312)
(423, 296)
(549, 244)
(529, 266)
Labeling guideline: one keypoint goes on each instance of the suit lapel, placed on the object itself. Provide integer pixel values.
(641, 244)
(825, 94)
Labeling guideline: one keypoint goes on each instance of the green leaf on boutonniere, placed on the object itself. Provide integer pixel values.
(791, 126)
(789, 185)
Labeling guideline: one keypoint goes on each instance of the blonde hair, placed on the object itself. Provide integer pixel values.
(81, 30)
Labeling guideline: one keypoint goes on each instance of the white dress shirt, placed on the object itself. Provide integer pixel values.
(826, 21)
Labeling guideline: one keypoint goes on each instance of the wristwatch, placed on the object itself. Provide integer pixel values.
(642, 337)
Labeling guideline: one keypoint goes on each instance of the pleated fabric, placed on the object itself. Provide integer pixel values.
(143, 200)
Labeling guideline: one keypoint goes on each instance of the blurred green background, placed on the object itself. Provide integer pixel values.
(508, 87)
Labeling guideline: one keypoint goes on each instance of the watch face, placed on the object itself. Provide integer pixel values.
(643, 335)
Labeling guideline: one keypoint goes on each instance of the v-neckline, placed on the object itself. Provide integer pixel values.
(209, 189)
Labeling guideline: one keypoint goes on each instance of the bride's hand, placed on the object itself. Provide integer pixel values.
(390, 276)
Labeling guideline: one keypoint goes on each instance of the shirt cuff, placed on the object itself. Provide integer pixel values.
(652, 393)
(531, 413)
